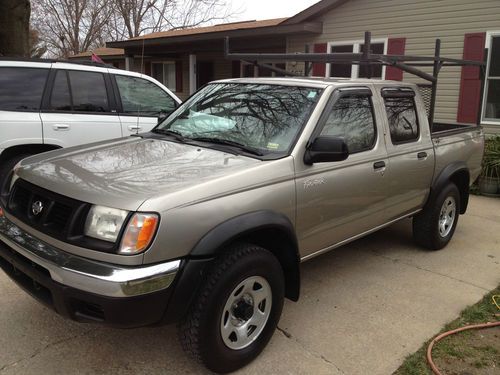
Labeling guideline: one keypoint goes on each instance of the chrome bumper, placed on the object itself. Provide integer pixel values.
(85, 274)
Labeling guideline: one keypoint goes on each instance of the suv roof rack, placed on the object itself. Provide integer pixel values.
(49, 61)
(407, 63)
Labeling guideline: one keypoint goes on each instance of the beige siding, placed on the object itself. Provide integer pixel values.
(421, 22)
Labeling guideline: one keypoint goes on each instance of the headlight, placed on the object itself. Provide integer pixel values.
(139, 233)
(104, 223)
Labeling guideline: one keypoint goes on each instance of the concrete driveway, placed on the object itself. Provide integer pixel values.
(364, 307)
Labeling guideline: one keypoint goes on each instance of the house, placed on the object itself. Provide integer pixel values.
(112, 56)
(187, 59)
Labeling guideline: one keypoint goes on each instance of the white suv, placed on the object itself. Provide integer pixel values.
(48, 105)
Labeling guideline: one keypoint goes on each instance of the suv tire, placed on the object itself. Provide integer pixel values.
(435, 225)
(237, 309)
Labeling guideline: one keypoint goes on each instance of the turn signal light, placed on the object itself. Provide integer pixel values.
(139, 233)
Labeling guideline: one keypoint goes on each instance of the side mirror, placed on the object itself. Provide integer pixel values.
(162, 116)
(325, 149)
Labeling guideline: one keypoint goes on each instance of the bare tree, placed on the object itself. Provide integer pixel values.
(69, 27)
(14, 27)
(136, 17)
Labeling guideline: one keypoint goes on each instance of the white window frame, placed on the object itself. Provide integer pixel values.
(164, 81)
(356, 49)
(489, 38)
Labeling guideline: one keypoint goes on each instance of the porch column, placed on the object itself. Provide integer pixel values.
(129, 62)
(192, 74)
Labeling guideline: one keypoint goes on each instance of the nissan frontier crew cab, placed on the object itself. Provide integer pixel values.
(204, 220)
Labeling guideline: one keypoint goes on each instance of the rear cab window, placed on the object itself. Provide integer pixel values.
(21, 89)
(401, 114)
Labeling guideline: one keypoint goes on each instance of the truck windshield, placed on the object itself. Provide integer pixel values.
(258, 118)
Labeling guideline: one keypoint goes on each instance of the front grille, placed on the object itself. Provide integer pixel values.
(53, 214)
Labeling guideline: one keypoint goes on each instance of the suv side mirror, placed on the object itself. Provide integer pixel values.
(324, 149)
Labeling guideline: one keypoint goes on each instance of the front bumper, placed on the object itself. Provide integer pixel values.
(83, 289)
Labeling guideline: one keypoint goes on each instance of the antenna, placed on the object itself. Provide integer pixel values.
(139, 106)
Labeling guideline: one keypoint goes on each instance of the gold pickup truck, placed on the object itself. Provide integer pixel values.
(204, 220)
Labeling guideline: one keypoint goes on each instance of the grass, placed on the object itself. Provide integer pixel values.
(460, 347)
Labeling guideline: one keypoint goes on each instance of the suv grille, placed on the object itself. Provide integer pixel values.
(53, 214)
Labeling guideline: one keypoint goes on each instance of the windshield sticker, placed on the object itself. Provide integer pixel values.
(273, 146)
(312, 94)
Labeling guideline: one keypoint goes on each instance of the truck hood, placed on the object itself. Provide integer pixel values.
(124, 173)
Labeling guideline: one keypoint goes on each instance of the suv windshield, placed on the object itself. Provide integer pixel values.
(257, 118)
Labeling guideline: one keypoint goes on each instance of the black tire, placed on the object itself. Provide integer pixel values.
(426, 224)
(201, 332)
(7, 165)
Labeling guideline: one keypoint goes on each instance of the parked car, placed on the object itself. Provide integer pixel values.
(47, 105)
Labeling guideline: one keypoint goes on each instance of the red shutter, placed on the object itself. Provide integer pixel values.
(395, 46)
(178, 76)
(470, 83)
(319, 69)
(235, 69)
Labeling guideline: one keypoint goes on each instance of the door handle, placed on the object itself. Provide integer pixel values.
(134, 127)
(422, 155)
(379, 165)
(60, 127)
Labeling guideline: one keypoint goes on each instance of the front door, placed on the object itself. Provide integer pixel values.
(339, 200)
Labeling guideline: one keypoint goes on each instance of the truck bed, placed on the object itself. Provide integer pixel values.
(441, 129)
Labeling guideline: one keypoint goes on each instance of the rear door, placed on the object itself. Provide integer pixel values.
(141, 102)
(409, 150)
(80, 107)
(339, 200)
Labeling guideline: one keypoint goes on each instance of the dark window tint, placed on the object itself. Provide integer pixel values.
(402, 117)
(376, 70)
(351, 118)
(60, 99)
(89, 91)
(341, 70)
(21, 88)
(139, 96)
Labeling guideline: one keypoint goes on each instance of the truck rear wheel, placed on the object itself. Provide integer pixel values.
(435, 225)
(237, 309)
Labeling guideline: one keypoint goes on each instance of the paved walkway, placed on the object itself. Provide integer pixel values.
(364, 307)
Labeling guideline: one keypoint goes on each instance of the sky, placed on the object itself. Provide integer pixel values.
(264, 9)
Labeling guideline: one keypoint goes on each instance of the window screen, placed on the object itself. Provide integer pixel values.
(351, 118)
(21, 89)
(402, 118)
(139, 96)
(341, 70)
(89, 91)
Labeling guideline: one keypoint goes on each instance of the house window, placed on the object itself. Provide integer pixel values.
(165, 73)
(492, 86)
(356, 71)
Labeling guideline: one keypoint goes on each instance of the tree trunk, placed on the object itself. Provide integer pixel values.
(14, 28)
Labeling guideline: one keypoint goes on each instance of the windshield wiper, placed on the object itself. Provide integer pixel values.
(177, 135)
(227, 142)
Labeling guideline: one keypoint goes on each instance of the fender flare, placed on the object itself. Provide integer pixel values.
(445, 177)
(215, 241)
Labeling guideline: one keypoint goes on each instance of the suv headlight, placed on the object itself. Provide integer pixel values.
(104, 223)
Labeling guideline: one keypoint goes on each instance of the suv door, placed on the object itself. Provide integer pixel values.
(339, 200)
(141, 103)
(79, 109)
(409, 149)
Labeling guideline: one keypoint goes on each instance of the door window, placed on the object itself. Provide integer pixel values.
(88, 91)
(352, 119)
(60, 99)
(402, 118)
(21, 89)
(142, 97)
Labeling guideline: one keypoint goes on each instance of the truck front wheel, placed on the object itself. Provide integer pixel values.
(237, 309)
(435, 225)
